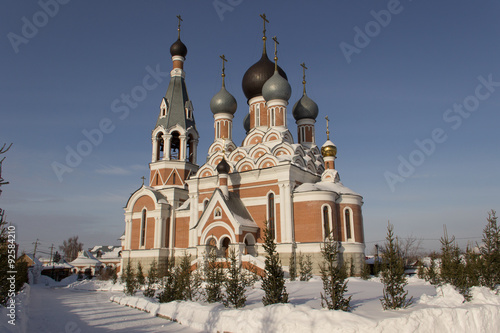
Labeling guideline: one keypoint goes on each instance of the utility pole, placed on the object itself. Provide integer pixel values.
(34, 251)
(52, 260)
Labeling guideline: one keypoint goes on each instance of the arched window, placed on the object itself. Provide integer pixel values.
(217, 130)
(190, 150)
(143, 227)
(271, 214)
(160, 146)
(175, 145)
(326, 221)
(272, 117)
(217, 212)
(257, 115)
(205, 204)
(348, 222)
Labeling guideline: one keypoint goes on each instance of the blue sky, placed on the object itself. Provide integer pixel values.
(399, 86)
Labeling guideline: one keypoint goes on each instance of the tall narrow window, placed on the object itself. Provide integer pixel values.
(257, 115)
(205, 204)
(175, 145)
(271, 117)
(348, 233)
(173, 178)
(326, 221)
(217, 130)
(270, 214)
(143, 227)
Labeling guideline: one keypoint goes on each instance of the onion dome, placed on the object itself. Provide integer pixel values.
(276, 88)
(223, 102)
(329, 149)
(246, 123)
(178, 49)
(305, 108)
(223, 167)
(257, 75)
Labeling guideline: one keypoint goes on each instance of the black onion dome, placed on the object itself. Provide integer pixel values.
(246, 123)
(178, 49)
(223, 102)
(276, 88)
(305, 108)
(257, 75)
(223, 167)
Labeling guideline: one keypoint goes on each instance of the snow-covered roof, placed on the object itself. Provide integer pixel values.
(336, 187)
(85, 258)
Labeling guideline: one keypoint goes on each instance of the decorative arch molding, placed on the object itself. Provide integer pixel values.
(283, 148)
(254, 137)
(287, 137)
(245, 164)
(258, 150)
(299, 160)
(237, 155)
(157, 130)
(191, 131)
(310, 166)
(179, 129)
(319, 167)
(311, 155)
(206, 171)
(158, 199)
(218, 145)
(266, 161)
(315, 150)
(330, 175)
(206, 234)
(272, 135)
(299, 151)
(250, 238)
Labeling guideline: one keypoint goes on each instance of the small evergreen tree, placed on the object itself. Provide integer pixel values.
(393, 275)
(214, 277)
(234, 283)
(431, 274)
(352, 269)
(168, 292)
(114, 275)
(292, 270)
(187, 282)
(141, 280)
(473, 266)
(490, 252)
(365, 272)
(420, 270)
(273, 280)
(130, 280)
(153, 279)
(305, 267)
(333, 275)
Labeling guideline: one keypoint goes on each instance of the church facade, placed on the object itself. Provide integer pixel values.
(268, 181)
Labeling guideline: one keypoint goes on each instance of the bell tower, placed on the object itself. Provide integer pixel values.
(174, 138)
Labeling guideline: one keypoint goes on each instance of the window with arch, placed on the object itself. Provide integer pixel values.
(160, 146)
(190, 149)
(175, 144)
(326, 221)
(271, 214)
(205, 204)
(218, 213)
(164, 111)
(217, 130)
(348, 224)
(272, 118)
(143, 228)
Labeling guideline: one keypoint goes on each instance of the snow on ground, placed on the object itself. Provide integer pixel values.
(84, 306)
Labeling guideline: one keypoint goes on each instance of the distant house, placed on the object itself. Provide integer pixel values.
(57, 270)
(109, 256)
(87, 263)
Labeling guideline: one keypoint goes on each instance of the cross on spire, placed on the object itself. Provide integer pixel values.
(264, 18)
(179, 27)
(275, 53)
(327, 128)
(224, 60)
(143, 179)
(303, 65)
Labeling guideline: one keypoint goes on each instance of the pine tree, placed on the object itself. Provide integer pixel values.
(130, 280)
(420, 270)
(153, 279)
(333, 275)
(214, 277)
(393, 275)
(431, 273)
(292, 270)
(114, 275)
(234, 283)
(490, 252)
(141, 280)
(168, 292)
(273, 280)
(365, 272)
(305, 267)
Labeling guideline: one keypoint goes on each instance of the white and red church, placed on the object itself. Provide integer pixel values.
(269, 181)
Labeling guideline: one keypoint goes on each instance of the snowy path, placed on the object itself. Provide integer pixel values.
(62, 310)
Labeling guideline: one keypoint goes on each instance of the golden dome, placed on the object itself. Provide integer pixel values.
(329, 149)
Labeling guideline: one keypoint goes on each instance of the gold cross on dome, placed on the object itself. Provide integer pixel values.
(303, 65)
(179, 26)
(327, 128)
(264, 18)
(224, 60)
(276, 43)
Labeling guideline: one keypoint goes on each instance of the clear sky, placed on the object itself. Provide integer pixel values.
(388, 74)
